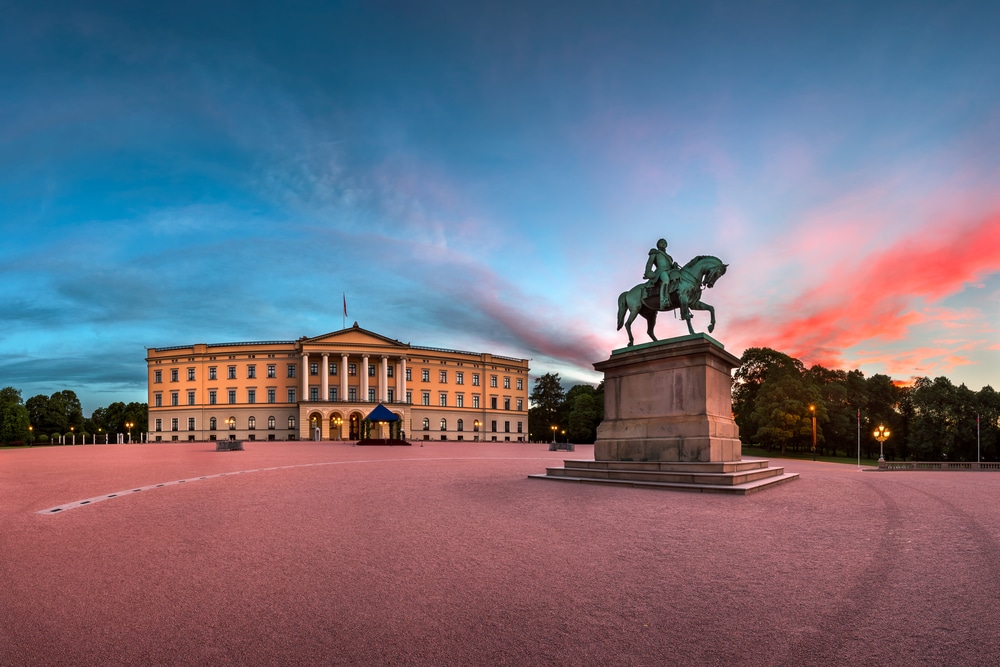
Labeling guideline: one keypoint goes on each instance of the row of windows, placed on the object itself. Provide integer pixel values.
(352, 370)
(425, 399)
(460, 425)
(213, 423)
(213, 397)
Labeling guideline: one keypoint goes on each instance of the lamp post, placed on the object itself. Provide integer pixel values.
(554, 429)
(812, 409)
(881, 434)
(128, 426)
(72, 434)
(476, 425)
(563, 433)
(338, 422)
(31, 435)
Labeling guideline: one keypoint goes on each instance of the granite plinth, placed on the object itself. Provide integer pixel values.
(669, 401)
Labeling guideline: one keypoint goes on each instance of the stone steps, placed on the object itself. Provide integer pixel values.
(733, 477)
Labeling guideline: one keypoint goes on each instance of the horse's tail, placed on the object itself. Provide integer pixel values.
(622, 305)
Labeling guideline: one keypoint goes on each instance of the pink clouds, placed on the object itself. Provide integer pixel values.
(884, 296)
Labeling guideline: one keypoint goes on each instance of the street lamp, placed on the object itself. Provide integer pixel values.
(128, 426)
(881, 434)
(812, 409)
(554, 429)
(337, 421)
(563, 432)
(476, 424)
(31, 435)
(72, 434)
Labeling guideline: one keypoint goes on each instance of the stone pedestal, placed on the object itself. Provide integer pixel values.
(668, 423)
(669, 401)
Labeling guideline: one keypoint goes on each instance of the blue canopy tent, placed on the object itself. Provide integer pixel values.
(382, 415)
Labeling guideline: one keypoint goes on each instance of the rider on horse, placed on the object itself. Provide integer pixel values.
(661, 267)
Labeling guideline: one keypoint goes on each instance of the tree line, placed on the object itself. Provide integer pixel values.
(44, 418)
(775, 397)
(575, 413)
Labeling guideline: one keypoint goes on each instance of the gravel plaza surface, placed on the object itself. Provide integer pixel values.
(308, 553)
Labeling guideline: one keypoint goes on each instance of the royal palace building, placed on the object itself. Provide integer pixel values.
(322, 388)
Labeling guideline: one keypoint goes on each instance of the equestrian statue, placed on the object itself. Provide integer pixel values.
(669, 287)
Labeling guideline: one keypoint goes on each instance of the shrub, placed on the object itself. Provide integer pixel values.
(42, 439)
(17, 443)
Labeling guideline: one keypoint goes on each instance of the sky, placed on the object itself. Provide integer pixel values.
(490, 176)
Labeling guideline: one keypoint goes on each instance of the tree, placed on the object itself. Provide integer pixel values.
(547, 398)
(781, 411)
(38, 410)
(13, 416)
(583, 413)
(756, 364)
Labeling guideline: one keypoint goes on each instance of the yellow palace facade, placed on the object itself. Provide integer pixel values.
(322, 388)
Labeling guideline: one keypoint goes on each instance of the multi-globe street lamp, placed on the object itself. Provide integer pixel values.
(812, 409)
(881, 434)
(128, 427)
(554, 429)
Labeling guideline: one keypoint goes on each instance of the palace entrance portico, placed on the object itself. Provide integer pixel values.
(343, 376)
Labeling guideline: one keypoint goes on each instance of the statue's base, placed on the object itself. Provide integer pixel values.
(735, 477)
(668, 422)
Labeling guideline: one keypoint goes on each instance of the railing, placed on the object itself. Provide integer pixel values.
(938, 465)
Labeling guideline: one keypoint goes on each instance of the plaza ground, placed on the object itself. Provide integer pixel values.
(327, 554)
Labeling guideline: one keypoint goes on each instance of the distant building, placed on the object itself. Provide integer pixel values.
(323, 387)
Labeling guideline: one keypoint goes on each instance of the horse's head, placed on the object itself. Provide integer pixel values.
(716, 273)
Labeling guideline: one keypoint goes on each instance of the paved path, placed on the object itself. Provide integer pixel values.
(327, 554)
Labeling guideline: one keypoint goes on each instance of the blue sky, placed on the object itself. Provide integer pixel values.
(490, 176)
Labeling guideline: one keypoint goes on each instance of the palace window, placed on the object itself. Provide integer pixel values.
(270, 423)
(475, 379)
(520, 384)
(158, 400)
(519, 424)
(371, 370)
(475, 401)
(291, 422)
(232, 397)
(251, 396)
(352, 394)
(493, 380)
(506, 382)
(493, 425)
(271, 396)
(333, 393)
(460, 400)
(506, 427)
(444, 377)
(460, 426)
(520, 404)
(313, 393)
(333, 369)
(232, 423)
(157, 376)
(371, 395)
(444, 424)
(390, 395)
(427, 424)
(493, 402)
(409, 397)
(173, 375)
(213, 373)
(251, 423)
(426, 398)
(352, 369)
(409, 375)
(272, 371)
(173, 424)
(291, 395)
(459, 377)
(191, 375)
(190, 423)
(313, 368)
(291, 370)
(425, 375)
(173, 398)
(443, 399)
(389, 371)
(190, 398)
(232, 372)
(211, 396)
(212, 423)
(252, 372)
(158, 425)
(506, 404)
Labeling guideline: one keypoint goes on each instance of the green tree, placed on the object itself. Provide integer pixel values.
(932, 437)
(781, 413)
(38, 411)
(13, 416)
(756, 364)
(583, 413)
(547, 399)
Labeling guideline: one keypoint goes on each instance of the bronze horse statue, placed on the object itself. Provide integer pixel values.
(701, 272)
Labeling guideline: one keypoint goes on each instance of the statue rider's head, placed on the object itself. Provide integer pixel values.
(662, 244)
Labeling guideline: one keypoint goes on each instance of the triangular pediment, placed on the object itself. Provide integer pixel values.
(352, 336)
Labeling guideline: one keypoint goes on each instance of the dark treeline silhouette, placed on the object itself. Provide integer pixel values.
(575, 413)
(44, 418)
(929, 420)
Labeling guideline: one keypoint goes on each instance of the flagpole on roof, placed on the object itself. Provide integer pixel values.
(344, 322)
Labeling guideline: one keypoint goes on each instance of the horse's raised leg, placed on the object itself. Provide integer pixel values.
(632, 314)
(686, 312)
(701, 305)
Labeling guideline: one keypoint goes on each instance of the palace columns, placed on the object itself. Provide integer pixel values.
(383, 380)
(305, 376)
(364, 379)
(401, 380)
(324, 374)
(343, 376)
